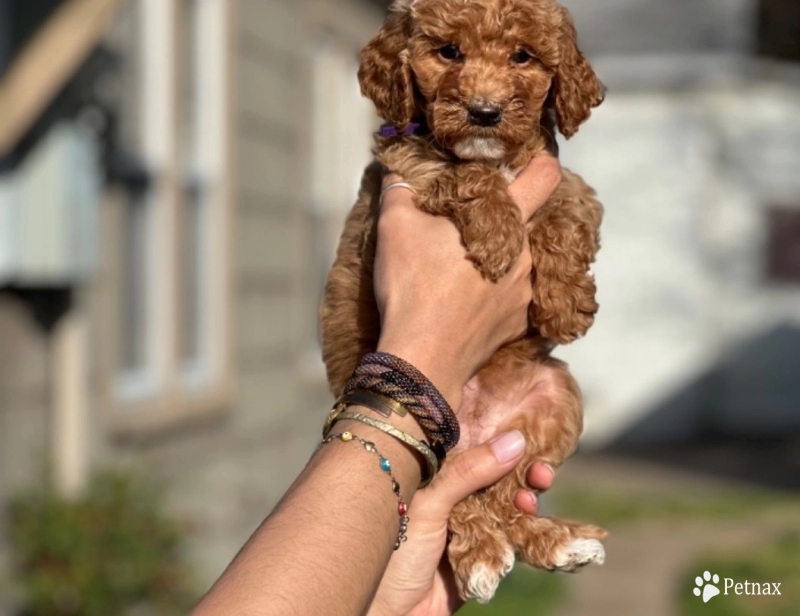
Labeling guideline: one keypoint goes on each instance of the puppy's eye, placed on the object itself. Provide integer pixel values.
(521, 57)
(451, 52)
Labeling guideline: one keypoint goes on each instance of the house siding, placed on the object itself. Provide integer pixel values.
(24, 433)
(223, 474)
(226, 474)
(685, 177)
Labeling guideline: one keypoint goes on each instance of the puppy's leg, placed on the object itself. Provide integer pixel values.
(475, 196)
(488, 219)
(548, 411)
(479, 550)
(556, 545)
(552, 427)
(564, 240)
(349, 317)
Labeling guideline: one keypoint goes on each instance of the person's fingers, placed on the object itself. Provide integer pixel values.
(391, 178)
(478, 468)
(399, 197)
(527, 502)
(534, 185)
(530, 190)
(396, 197)
(540, 476)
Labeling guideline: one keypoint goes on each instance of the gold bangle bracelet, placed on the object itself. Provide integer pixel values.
(386, 406)
(378, 403)
(382, 405)
(427, 453)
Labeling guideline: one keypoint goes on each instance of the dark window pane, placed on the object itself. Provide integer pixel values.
(784, 244)
(779, 29)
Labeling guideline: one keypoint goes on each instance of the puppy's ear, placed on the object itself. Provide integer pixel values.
(576, 86)
(384, 74)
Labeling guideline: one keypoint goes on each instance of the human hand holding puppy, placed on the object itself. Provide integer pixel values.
(448, 326)
(437, 312)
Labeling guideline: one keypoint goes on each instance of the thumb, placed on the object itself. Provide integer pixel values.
(479, 468)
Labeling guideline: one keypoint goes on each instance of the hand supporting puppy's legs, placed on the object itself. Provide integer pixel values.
(486, 527)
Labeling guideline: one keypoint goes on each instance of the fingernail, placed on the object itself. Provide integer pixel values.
(509, 446)
(550, 468)
(535, 498)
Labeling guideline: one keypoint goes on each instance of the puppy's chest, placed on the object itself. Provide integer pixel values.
(430, 171)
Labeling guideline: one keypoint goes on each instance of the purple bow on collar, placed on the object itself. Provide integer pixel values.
(389, 130)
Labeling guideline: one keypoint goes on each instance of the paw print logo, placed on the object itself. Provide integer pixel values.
(706, 586)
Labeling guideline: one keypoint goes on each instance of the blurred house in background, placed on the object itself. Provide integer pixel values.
(695, 154)
(172, 176)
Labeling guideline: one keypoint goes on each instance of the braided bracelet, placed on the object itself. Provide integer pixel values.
(386, 467)
(390, 376)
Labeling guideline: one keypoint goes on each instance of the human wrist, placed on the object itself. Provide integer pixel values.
(406, 464)
(444, 372)
(429, 456)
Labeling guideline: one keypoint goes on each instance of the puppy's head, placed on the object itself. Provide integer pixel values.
(480, 72)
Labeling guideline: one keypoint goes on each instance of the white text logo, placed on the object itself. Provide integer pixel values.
(707, 587)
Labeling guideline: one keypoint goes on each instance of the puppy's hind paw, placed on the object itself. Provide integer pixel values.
(484, 579)
(579, 553)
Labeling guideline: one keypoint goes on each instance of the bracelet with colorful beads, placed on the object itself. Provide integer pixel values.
(386, 467)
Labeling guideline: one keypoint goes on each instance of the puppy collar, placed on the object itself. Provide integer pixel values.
(390, 130)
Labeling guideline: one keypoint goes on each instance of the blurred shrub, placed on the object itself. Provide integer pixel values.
(113, 551)
(778, 561)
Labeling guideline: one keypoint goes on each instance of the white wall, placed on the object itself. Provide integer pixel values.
(684, 176)
(659, 26)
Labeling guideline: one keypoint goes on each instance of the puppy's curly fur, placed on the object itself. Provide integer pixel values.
(491, 79)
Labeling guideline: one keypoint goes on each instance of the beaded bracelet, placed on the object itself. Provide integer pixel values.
(386, 467)
(431, 462)
(395, 378)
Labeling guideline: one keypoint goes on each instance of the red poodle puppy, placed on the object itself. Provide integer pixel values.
(473, 90)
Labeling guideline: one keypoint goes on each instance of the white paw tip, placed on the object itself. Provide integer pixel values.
(483, 584)
(578, 553)
(509, 560)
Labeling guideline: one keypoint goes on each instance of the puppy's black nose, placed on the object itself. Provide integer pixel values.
(485, 115)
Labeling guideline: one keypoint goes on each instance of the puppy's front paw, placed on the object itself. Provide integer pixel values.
(578, 553)
(494, 260)
(495, 247)
(556, 545)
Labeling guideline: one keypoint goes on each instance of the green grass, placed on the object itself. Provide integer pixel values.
(778, 561)
(524, 592)
(607, 508)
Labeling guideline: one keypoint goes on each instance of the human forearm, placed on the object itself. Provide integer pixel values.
(324, 548)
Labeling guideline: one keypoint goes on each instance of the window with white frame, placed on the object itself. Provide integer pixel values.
(174, 300)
